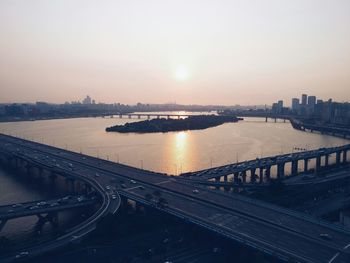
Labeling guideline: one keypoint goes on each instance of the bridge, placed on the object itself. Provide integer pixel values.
(45, 210)
(282, 233)
(238, 172)
(152, 115)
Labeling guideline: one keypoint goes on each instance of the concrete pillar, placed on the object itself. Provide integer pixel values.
(244, 176)
(345, 156)
(280, 170)
(306, 165)
(139, 116)
(294, 167)
(268, 173)
(235, 177)
(337, 158)
(261, 175)
(252, 175)
(217, 179)
(326, 160)
(120, 116)
(318, 164)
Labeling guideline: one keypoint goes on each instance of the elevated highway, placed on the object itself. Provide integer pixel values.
(46, 210)
(282, 233)
(240, 171)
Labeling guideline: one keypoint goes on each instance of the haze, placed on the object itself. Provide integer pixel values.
(190, 52)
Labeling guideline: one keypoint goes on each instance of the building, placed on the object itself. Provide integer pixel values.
(87, 100)
(295, 105)
(303, 99)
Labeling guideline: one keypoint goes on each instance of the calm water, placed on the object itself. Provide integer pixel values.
(172, 152)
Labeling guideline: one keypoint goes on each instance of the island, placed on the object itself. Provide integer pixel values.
(198, 122)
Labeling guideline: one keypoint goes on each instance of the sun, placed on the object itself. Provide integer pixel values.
(181, 73)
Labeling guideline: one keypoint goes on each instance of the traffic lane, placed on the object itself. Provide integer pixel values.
(306, 227)
(238, 225)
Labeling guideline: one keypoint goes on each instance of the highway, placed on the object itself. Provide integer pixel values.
(44, 206)
(282, 233)
(265, 162)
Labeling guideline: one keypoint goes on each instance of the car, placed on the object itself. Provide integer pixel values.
(54, 204)
(133, 181)
(33, 207)
(41, 203)
(195, 191)
(108, 187)
(114, 197)
(97, 174)
(326, 236)
(22, 254)
(141, 187)
(10, 211)
(123, 185)
(17, 205)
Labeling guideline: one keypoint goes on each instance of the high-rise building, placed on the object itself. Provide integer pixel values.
(311, 101)
(295, 104)
(303, 99)
(87, 100)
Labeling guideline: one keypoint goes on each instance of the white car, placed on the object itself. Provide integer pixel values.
(195, 191)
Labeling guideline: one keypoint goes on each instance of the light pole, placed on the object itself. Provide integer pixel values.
(141, 162)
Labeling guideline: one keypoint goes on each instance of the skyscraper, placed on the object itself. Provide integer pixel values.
(303, 99)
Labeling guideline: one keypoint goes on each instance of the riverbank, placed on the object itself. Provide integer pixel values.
(199, 122)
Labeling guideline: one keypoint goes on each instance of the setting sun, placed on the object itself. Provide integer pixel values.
(181, 73)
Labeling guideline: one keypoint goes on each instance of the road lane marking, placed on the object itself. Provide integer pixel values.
(333, 258)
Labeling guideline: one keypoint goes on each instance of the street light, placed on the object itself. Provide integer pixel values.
(141, 161)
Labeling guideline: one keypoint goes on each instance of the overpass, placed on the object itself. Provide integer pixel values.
(282, 233)
(45, 210)
(238, 172)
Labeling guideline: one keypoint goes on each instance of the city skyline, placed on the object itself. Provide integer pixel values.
(223, 53)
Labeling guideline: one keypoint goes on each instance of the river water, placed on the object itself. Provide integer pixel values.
(172, 153)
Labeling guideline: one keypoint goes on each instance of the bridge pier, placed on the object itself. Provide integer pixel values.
(268, 173)
(261, 175)
(306, 164)
(244, 176)
(294, 167)
(345, 156)
(120, 116)
(318, 164)
(129, 116)
(326, 160)
(337, 158)
(280, 170)
(252, 175)
(148, 116)
(139, 116)
(51, 217)
(236, 177)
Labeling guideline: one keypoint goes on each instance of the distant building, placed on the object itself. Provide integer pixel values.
(303, 99)
(295, 105)
(87, 100)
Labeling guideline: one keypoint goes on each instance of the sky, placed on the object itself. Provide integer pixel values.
(185, 51)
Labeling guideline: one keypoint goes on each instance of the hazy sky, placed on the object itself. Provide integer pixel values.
(184, 51)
